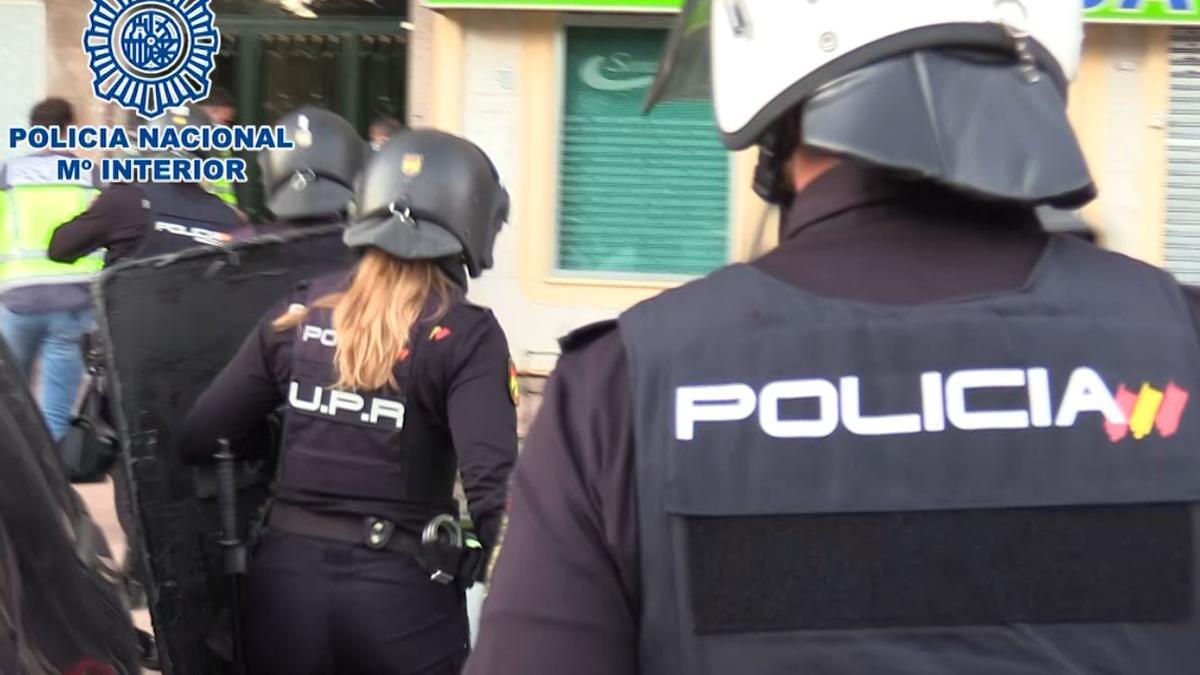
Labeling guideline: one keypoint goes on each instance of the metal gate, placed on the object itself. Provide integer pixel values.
(1182, 253)
(355, 66)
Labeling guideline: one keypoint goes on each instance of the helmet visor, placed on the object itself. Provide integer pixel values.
(684, 72)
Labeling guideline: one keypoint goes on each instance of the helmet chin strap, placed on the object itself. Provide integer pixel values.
(302, 178)
(775, 148)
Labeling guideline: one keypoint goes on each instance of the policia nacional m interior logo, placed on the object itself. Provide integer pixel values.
(149, 55)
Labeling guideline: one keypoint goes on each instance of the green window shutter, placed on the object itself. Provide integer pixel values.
(638, 193)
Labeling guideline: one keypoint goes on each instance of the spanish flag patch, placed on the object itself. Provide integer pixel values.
(514, 383)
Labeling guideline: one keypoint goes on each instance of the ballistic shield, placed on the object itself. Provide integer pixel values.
(169, 324)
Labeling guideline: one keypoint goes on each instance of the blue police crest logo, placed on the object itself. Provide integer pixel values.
(149, 55)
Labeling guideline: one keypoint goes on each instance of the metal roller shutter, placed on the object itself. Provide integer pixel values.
(637, 193)
(1183, 154)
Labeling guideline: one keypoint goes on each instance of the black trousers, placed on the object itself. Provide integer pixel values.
(315, 606)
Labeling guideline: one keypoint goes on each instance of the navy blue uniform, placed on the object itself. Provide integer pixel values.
(570, 593)
(347, 457)
(144, 220)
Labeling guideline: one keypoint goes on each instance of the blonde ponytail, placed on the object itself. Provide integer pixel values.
(375, 316)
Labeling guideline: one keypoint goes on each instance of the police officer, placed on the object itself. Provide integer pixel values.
(140, 220)
(46, 304)
(391, 382)
(921, 436)
(221, 109)
(313, 183)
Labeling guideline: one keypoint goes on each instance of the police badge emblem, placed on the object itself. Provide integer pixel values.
(150, 55)
(514, 383)
(410, 165)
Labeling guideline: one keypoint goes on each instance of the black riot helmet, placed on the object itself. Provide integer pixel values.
(315, 178)
(430, 195)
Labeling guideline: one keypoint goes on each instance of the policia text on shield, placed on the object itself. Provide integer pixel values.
(390, 381)
(145, 219)
(920, 436)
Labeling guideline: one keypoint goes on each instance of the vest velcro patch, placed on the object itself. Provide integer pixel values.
(1101, 564)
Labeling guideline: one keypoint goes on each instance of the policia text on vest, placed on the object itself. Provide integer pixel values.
(943, 401)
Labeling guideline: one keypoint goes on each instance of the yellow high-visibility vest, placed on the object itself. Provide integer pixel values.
(33, 203)
(224, 189)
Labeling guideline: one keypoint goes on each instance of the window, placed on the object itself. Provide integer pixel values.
(311, 9)
(642, 194)
(355, 67)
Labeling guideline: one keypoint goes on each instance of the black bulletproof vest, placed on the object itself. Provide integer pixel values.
(996, 486)
(373, 450)
(183, 217)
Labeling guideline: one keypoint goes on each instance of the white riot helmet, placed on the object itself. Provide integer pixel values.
(971, 93)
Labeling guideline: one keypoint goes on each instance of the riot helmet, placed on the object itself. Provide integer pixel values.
(315, 178)
(180, 117)
(968, 93)
(430, 195)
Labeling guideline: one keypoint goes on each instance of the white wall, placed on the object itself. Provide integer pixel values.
(491, 107)
(420, 63)
(22, 63)
(1125, 118)
(1119, 108)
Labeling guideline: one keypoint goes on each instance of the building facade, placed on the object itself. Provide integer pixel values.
(41, 54)
(350, 56)
(22, 36)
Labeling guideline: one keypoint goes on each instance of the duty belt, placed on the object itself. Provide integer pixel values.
(374, 533)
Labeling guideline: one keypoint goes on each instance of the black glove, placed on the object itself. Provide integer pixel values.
(473, 566)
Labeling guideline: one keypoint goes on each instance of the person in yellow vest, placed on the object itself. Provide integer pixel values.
(221, 109)
(45, 306)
